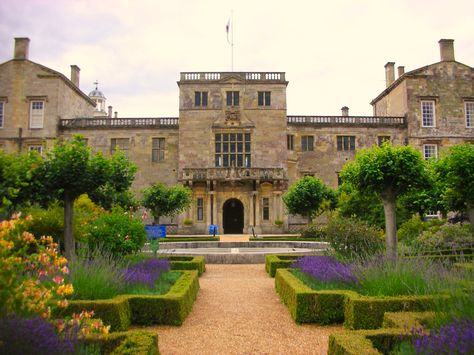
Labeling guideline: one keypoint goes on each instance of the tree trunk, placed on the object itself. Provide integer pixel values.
(69, 244)
(390, 225)
(470, 213)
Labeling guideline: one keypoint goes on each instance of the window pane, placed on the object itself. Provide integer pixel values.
(225, 148)
(226, 136)
(260, 98)
(226, 160)
(310, 142)
(248, 162)
(352, 139)
(204, 99)
(1, 113)
(339, 143)
(240, 160)
(236, 98)
(240, 147)
(218, 137)
(247, 137)
(427, 111)
(267, 98)
(197, 98)
(218, 147)
(229, 98)
(239, 137)
(232, 147)
(469, 114)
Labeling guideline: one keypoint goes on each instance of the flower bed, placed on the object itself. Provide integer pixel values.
(130, 342)
(122, 311)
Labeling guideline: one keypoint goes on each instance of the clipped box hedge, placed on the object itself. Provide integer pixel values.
(274, 262)
(137, 342)
(123, 310)
(177, 262)
(407, 320)
(336, 306)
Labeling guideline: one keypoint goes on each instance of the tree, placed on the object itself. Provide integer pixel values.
(309, 196)
(390, 171)
(456, 170)
(164, 200)
(69, 170)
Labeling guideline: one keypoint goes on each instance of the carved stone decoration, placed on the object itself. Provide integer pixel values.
(232, 115)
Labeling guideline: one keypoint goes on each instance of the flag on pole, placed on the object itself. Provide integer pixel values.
(227, 30)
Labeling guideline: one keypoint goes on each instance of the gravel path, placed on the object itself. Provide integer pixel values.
(238, 312)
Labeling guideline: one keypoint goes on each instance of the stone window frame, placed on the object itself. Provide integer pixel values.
(3, 101)
(346, 143)
(200, 209)
(265, 208)
(118, 142)
(232, 98)
(432, 103)
(290, 141)
(469, 113)
(382, 138)
(158, 150)
(39, 116)
(37, 147)
(307, 143)
(223, 154)
(430, 150)
(201, 99)
(264, 98)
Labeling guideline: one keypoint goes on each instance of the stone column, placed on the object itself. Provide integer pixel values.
(257, 212)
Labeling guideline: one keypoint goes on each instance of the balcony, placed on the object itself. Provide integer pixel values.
(232, 174)
(108, 123)
(274, 77)
(353, 121)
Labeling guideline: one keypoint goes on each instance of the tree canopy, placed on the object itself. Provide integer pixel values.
(163, 200)
(389, 171)
(308, 196)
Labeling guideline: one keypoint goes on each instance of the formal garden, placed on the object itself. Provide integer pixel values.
(74, 278)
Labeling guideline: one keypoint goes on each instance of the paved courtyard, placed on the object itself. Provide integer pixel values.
(238, 312)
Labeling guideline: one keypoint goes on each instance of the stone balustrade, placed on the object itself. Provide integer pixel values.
(232, 173)
(106, 122)
(362, 121)
(249, 76)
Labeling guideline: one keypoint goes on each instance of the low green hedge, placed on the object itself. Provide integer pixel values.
(137, 342)
(407, 320)
(335, 306)
(121, 311)
(188, 239)
(177, 262)
(285, 239)
(274, 262)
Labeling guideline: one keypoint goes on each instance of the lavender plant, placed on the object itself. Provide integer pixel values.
(146, 273)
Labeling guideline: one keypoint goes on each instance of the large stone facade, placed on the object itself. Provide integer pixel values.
(233, 143)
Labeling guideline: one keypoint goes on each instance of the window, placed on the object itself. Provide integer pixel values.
(469, 111)
(345, 143)
(35, 148)
(428, 113)
(339, 179)
(232, 149)
(200, 209)
(290, 141)
(121, 144)
(2, 108)
(307, 143)
(430, 151)
(157, 149)
(232, 98)
(264, 98)
(200, 98)
(36, 114)
(266, 208)
(381, 139)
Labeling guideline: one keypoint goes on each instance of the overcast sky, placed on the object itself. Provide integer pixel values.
(333, 51)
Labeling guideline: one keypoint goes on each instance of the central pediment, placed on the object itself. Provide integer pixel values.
(231, 78)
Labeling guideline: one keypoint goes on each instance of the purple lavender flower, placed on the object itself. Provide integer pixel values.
(456, 337)
(146, 272)
(326, 269)
(33, 336)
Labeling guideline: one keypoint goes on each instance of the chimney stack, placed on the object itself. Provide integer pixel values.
(21, 48)
(401, 71)
(115, 114)
(389, 73)
(75, 71)
(345, 111)
(446, 49)
(110, 111)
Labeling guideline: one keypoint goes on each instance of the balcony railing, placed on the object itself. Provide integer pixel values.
(87, 123)
(249, 76)
(232, 173)
(363, 121)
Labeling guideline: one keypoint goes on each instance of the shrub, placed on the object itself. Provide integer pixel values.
(410, 231)
(314, 230)
(351, 238)
(118, 232)
(326, 269)
(447, 236)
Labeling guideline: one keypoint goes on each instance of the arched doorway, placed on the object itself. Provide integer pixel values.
(233, 216)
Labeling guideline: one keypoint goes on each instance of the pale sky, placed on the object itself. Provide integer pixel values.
(333, 51)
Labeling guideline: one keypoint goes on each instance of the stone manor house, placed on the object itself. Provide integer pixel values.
(233, 143)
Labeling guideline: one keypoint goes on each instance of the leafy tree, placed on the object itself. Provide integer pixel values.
(69, 170)
(309, 196)
(389, 171)
(164, 200)
(456, 170)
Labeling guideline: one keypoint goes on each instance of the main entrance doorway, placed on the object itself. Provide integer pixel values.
(233, 216)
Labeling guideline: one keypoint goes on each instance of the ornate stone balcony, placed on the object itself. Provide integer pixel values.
(248, 76)
(233, 174)
(362, 121)
(106, 122)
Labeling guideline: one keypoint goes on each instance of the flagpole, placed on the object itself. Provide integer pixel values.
(232, 39)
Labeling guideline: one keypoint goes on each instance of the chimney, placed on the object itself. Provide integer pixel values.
(401, 71)
(389, 73)
(21, 48)
(110, 111)
(115, 114)
(75, 71)
(345, 111)
(446, 49)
